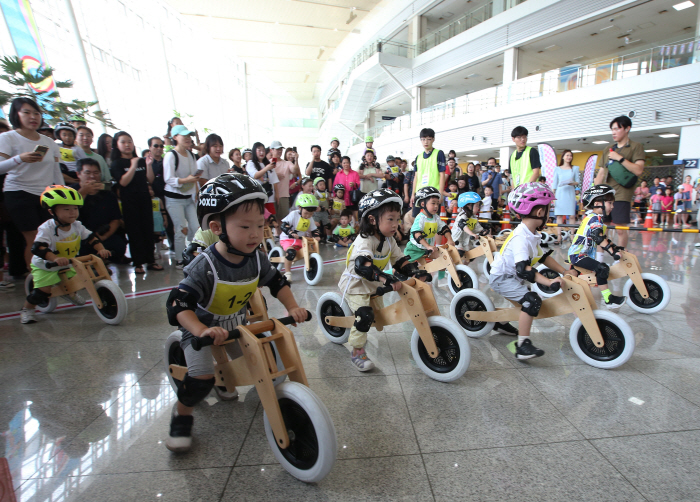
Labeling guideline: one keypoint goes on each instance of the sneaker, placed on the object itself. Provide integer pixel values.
(527, 351)
(506, 328)
(687, 226)
(361, 360)
(615, 302)
(76, 299)
(224, 395)
(27, 316)
(697, 244)
(338, 246)
(180, 437)
(6, 285)
(179, 265)
(676, 225)
(164, 246)
(288, 276)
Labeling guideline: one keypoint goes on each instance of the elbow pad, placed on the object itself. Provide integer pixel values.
(462, 223)
(546, 255)
(370, 272)
(179, 301)
(40, 249)
(286, 228)
(315, 233)
(522, 272)
(93, 239)
(444, 230)
(276, 284)
(598, 236)
(418, 236)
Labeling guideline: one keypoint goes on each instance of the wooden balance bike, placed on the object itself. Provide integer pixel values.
(461, 276)
(646, 293)
(268, 239)
(298, 426)
(599, 338)
(438, 345)
(91, 275)
(313, 264)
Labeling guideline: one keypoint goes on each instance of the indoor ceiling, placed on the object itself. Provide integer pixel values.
(288, 41)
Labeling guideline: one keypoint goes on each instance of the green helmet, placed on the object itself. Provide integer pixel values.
(335, 139)
(307, 201)
(318, 180)
(368, 139)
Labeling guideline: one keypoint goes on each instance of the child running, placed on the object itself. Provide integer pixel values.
(211, 300)
(427, 225)
(515, 263)
(598, 200)
(380, 216)
(294, 226)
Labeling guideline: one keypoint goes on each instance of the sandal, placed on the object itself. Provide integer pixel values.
(139, 270)
(154, 266)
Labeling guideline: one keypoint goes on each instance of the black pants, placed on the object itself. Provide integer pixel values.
(169, 230)
(13, 239)
(593, 265)
(138, 220)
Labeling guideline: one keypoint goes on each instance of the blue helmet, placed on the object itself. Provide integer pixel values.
(468, 198)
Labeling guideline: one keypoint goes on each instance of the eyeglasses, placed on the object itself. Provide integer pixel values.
(157, 146)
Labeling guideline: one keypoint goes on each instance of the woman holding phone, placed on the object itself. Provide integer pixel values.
(263, 170)
(31, 163)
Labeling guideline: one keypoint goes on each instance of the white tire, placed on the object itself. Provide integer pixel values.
(45, 308)
(330, 305)
(114, 307)
(471, 300)
(544, 291)
(173, 354)
(467, 277)
(315, 274)
(313, 446)
(503, 232)
(270, 243)
(454, 353)
(617, 335)
(486, 267)
(276, 252)
(659, 295)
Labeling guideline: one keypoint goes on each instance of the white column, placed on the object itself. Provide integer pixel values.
(504, 158)
(510, 65)
(689, 147)
(498, 7)
(418, 99)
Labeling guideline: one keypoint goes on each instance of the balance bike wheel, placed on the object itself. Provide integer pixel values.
(546, 291)
(503, 232)
(46, 307)
(659, 294)
(466, 276)
(270, 243)
(276, 252)
(471, 300)
(315, 273)
(617, 335)
(313, 445)
(486, 267)
(114, 307)
(453, 350)
(330, 305)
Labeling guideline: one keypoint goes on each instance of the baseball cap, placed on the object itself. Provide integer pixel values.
(180, 130)
(275, 145)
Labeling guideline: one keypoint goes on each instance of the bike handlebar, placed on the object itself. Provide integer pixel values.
(259, 327)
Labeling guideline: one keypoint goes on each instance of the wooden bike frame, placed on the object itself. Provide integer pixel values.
(416, 303)
(308, 246)
(576, 298)
(267, 234)
(88, 270)
(257, 366)
(627, 266)
(449, 256)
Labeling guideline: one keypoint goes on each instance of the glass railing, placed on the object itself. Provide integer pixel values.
(565, 79)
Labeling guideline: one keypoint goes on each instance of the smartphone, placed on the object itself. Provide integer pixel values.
(199, 172)
(274, 160)
(41, 149)
(294, 148)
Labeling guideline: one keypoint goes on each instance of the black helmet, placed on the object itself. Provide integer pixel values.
(63, 126)
(594, 192)
(425, 193)
(377, 198)
(224, 191)
(338, 186)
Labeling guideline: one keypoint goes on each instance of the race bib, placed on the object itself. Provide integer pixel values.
(430, 230)
(67, 155)
(68, 249)
(155, 204)
(395, 170)
(345, 232)
(452, 195)
(303, 225)
(337, 205)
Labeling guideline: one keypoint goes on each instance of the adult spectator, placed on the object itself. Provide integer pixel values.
(656, 185)
(100, 210)
(260, 168)
(408, 178)
(133, 174)
(104, 147)
(28, 172)
(156, 146)
(452, 155)
(641, 200)
(431, 167)
(687, 187)
(492, 178)
(507, 183)
(452, 170)
(370, 173)
(212, 164)
(624, 157)
(318, 168)
(180, 172)
(350, 180)
(566, 178)
(525, 162)
(234, 155)
(334, 162)
(82, 150)
(14, 241)
(285, 170)
(473, 183)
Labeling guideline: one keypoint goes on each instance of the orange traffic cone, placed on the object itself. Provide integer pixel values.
(506, 218)
(649, 221)
(443, 217)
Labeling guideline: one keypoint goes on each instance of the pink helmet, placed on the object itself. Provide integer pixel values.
(527, 196)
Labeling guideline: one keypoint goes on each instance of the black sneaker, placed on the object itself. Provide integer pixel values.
(180, 438)
(615, 302)
(506, 328)
(527, 351)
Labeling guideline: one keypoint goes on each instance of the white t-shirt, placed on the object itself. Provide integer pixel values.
(486, 207)
(211, 169)
(62, 243)
(303, 226)
(31, 178)
(269, 177)
(186, 166)
(522, 246)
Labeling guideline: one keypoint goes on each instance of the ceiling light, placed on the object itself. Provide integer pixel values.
(670, 154)
(607, 27)
(684, 5)
(600, 142)
(651, 151)
(472, 155)
(575, 151)
(668, 135)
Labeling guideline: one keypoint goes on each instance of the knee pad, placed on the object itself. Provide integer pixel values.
(188, 253)
(602, 272)
(290, 254)
(364, 317)
(37, 297)
(531, 303)
(193, 390)
(461, 252)
(328, 226)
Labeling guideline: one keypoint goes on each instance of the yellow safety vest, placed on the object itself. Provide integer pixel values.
(427, 173)
(520, 169)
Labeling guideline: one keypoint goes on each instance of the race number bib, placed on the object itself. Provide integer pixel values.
(155, 204)
(303, 225)
(67, 155)
(68, 248)
(430, 230)
(337, 205)
(395, 170)
(345, 232)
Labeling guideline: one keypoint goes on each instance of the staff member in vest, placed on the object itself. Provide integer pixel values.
(525, 162)
(181, 175)
(620, 164)
(430, 168)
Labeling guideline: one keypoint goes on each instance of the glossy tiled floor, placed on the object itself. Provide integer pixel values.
(84, 409)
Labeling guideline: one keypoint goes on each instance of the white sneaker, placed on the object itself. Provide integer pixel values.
(164, 246)
(361, 361)
(27, 316)
(224, 395)
(288, 276)
(6, 285)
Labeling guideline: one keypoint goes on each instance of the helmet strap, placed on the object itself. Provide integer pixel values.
(224, 238)
(382, 239)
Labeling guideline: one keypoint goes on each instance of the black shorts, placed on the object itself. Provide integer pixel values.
(25, 210)
(620, 215)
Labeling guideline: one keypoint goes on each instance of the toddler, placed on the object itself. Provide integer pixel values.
(427, 225)
(667, 207)
(294, 226)
(656, 205)
(321, 216)
(344, 234)
(466, 226)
